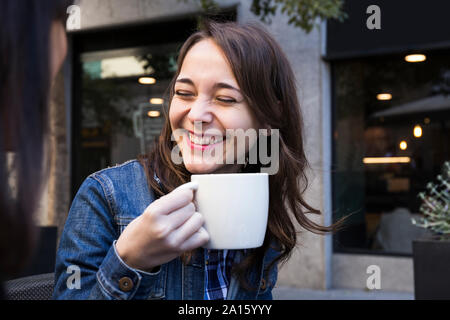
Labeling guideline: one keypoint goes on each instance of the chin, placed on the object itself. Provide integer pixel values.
(201, 168)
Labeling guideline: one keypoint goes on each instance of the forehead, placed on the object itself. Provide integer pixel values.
(206, 60)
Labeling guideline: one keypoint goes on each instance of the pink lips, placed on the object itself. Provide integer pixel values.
(199, 146)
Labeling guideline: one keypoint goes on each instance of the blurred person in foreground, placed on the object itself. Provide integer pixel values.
(33, 46)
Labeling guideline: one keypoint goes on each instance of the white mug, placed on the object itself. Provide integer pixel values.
(235, 207)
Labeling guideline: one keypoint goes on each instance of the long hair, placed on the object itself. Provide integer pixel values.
(266, 79)
(24, 91)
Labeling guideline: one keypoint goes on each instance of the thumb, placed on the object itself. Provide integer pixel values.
(193, 185)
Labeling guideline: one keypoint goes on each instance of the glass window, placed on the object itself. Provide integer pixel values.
(391, 136)
(121, 103)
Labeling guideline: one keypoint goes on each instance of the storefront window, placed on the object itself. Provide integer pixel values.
(391, 136)
(122, 102)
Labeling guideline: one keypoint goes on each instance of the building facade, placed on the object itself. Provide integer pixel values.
(101, 116)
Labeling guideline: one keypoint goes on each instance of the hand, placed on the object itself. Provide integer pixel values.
(168, 227)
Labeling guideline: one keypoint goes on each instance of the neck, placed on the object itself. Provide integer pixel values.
(231, 168)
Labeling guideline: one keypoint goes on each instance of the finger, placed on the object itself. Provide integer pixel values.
(198, 239)
(193, 185)
(174, 200)
(187, 229)
(180, 216)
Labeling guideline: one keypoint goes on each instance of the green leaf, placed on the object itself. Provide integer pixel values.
(301, 13)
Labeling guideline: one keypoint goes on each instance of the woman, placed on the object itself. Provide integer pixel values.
(32, 49)
(128, 245)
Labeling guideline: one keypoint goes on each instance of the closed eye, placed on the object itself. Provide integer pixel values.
(226, 100)
(183, 93)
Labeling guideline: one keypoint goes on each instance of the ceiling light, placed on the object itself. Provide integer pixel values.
(154, 114)
(403, 145)
(417, 131)
(146, 80)
(383, 160)
(384, 96)
(415, 58)
(156, 101)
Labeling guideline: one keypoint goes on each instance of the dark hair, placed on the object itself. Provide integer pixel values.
(267, 82)
(24, 90)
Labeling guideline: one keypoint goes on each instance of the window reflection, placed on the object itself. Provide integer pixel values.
(122, 95)
(387, 149)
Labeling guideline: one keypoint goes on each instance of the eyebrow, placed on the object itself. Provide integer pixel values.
(217, 85)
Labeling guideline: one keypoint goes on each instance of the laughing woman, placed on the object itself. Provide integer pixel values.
(134, 235)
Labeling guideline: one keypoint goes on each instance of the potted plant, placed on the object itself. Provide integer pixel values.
(432, 255)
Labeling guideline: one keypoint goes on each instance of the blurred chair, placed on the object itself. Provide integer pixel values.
(396, 232)
(37, 287)
(36, 281)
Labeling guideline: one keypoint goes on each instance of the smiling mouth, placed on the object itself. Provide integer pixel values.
(204, 141)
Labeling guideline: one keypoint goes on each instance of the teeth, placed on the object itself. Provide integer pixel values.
(205, 140)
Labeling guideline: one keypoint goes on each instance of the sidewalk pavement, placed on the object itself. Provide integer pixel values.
(287, 293)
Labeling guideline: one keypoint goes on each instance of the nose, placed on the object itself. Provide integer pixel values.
(200, 112)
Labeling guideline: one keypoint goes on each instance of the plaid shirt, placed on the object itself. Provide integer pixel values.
(217, 273)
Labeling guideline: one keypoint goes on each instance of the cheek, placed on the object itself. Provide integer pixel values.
(175, 115)
(246, 139)
(241, 119)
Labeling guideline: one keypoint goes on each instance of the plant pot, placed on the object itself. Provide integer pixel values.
(431, 268)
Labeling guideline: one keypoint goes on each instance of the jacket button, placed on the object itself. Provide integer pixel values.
(263, 284)
(126, 284)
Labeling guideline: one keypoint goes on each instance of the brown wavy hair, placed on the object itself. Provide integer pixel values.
(268, 84)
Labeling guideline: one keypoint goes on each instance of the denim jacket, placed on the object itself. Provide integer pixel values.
(87, 263)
